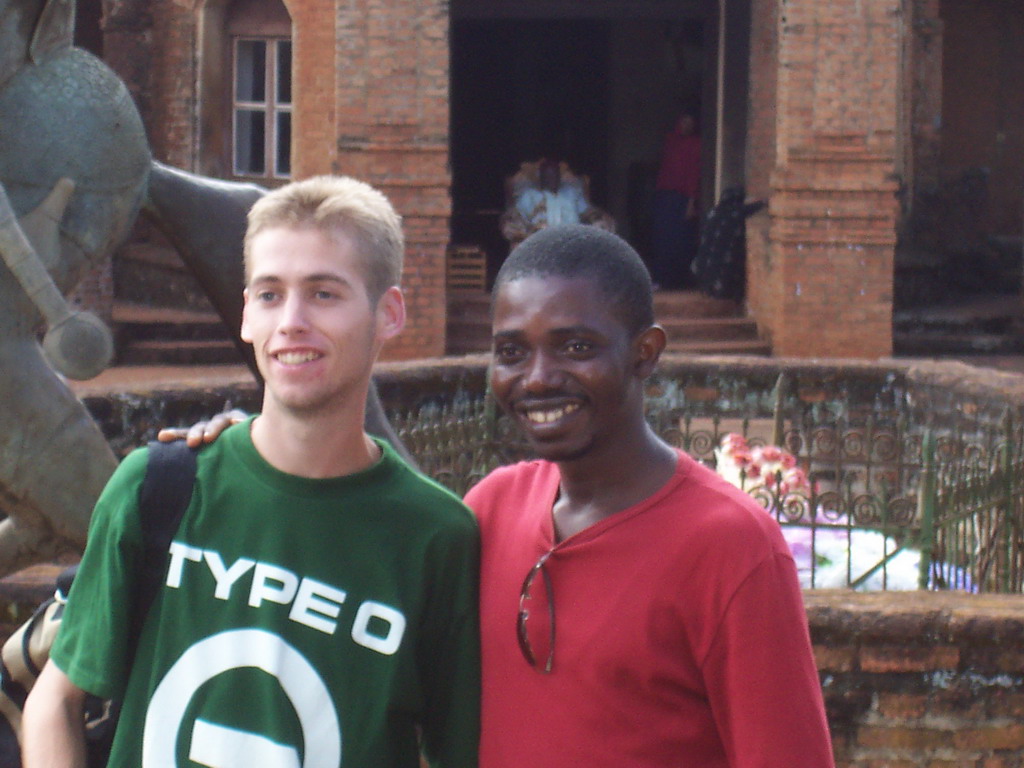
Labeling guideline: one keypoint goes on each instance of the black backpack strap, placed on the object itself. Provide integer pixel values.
(10, 687)
(163, 498)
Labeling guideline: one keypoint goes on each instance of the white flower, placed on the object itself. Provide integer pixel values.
(836, 546)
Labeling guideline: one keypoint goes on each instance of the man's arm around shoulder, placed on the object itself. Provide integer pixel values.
(53, 726)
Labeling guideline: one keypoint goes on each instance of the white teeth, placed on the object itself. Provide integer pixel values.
(548, 416)
(295, 358)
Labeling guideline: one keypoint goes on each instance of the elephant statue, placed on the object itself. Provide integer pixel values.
(75, 172)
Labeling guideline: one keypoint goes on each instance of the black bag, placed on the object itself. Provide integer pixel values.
(163, 498)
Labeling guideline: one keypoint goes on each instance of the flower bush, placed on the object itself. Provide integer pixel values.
(749, 467)
(840, 553)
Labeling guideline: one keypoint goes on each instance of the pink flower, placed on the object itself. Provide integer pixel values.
(797, 478)
(771, 453)
(742, 457)
(734, 442)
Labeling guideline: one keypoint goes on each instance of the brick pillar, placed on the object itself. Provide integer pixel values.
(127, 32)
(314, 76)
(151, 46)
(386, 124)
(822, 256)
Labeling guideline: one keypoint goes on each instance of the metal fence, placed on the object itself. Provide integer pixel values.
(908, 489)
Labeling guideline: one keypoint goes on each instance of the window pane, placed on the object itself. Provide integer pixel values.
(250, 141)
(284, 72)
(284, 143)
(251, 70)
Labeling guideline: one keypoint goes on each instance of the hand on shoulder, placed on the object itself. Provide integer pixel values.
(203, 431)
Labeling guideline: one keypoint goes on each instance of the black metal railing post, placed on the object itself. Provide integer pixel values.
(926, 503)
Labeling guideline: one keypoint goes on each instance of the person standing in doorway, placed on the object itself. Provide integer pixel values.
(675, 218)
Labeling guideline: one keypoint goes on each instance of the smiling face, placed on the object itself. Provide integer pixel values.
(308, 314)
(566, 368)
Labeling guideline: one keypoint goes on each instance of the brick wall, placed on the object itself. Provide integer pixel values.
(983, 104)
(822, 253)
(760, 157)
(174, 77)
(921, 680)
(370, 100)
(127, 31)
(152, 47)
(387, 124)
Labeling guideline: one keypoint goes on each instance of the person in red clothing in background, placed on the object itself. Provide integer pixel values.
(675, 215)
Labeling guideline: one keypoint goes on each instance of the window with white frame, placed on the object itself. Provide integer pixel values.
(262, 107)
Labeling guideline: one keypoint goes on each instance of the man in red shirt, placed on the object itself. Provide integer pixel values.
(636, 609)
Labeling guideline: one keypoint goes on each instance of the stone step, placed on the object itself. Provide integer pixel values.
(693, 304)
(477, 304)
(153, 274)
(935, 343)
(179, 352)
(753, 346)
(695, 324)
(709, 328)
(140, 322)
(148, 335)
(974, 325)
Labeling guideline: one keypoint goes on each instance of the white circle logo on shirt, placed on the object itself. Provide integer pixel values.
(219, 746)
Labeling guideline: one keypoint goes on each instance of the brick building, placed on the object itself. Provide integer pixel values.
(852, 118)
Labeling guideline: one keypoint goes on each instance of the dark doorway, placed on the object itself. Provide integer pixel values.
(596, 92)
(983, 105)
(522, 90)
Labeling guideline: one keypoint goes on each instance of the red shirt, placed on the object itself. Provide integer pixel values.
(680, 164)
(681, 637)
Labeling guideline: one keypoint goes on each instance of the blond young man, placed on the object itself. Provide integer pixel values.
(320, 604)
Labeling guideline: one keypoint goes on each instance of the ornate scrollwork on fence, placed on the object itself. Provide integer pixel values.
(959, 503)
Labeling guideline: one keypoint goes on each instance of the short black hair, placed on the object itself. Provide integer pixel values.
(583, 251)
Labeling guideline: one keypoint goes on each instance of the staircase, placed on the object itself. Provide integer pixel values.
(161, 315)
(990, 324)
(700, 325)
(695, 324)
(171, 336)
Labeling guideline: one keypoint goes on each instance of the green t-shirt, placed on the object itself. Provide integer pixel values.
(302, 622)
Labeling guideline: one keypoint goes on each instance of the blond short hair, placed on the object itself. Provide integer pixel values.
(337, 204)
